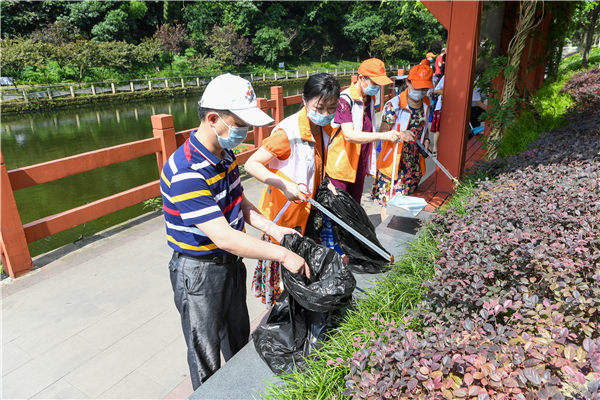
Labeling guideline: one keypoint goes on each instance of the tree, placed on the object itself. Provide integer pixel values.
(114, 27)
(227, 46)
(591, 20)
(18, 53)
(270, 43)
(326, 49)
(116, 54)
(81, 55)
(362, 24)
(148, 51)
(86, 14)
(389, 47)
(58, 33)
(173, 39)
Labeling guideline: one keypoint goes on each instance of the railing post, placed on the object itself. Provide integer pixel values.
(112, 88)
(131, 86)
(16, 258)
(93, 90)
(261, 132)
(164, 128)
(277, 95)
(166, 83)
(264, 77)
(72, 91)
(197, 81)
(149, 85)
(25, 96)
(286, 75)
(49, 93)
(297, 75)
(275, 76)
(182, 84)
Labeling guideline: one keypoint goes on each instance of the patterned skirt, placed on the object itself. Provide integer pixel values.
(409, 176)
(266, 283)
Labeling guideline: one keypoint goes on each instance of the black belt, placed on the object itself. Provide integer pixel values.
(220, 259)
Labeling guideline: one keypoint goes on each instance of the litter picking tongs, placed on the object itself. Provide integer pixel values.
(353, 231)
(439, 164)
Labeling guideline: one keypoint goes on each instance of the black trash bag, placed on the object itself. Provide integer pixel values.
(331, 283)
(361, 258)
(307, 309)
(291, 334)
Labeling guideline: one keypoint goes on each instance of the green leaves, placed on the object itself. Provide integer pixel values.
(270, 44)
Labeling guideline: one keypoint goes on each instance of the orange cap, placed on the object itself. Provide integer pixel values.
(374, 68)
(430, 54)
(421, 75)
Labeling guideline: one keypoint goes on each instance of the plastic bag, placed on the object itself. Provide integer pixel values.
(331, 283)
(290, 334)
(307, 308)
(361, 258)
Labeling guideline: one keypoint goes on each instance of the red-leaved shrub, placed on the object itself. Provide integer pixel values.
(513, 311)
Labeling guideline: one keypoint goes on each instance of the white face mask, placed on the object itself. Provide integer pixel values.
(417, 95)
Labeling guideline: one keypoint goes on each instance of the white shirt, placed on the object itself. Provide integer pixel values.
(440, 85)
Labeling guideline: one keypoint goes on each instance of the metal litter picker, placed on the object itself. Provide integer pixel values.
(353, 231)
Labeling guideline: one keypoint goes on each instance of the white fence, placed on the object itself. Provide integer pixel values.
(96, 88)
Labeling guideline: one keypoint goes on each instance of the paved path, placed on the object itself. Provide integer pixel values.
(99, 321)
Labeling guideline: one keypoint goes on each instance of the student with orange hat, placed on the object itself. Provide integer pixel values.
(351, 152)
(408, 114)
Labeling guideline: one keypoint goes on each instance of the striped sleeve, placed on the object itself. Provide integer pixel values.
(191, 195)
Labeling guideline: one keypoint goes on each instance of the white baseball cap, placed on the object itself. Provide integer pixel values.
(235, 94)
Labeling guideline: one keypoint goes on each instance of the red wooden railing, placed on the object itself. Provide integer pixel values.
(15, 237)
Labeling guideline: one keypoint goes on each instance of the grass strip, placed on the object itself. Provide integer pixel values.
(551, 106)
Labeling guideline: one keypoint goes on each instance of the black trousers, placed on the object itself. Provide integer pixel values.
(211, 299)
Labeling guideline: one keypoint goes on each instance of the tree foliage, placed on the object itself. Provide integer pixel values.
(388, 47)
(270, 44)
(227, 46)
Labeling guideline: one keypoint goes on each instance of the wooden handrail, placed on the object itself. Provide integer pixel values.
(56, 223)
(21, 178)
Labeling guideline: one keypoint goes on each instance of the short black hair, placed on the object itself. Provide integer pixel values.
(323, 86)
(202, 112)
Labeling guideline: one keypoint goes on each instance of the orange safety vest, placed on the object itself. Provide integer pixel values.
(342, 160)
(403, 115)
(299, 167)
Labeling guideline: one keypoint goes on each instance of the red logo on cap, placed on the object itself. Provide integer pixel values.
(382, 69)
(422, 74)
(250, 93)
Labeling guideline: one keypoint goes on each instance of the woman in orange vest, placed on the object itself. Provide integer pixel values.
(291, 164)
(351, 152)
(408, 114)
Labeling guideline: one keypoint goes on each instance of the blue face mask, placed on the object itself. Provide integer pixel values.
(236, 136)
(320, 119)
(371, 90)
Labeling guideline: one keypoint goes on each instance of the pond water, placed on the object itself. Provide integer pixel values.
(44, 136)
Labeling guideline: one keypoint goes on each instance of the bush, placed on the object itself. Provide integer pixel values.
(584, 87)
(513, 309)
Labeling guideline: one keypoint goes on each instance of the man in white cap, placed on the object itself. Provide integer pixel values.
(205, 211)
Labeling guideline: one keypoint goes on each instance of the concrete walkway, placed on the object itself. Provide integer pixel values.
(98, 319)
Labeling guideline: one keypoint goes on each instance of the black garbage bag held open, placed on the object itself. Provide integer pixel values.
(306, 310)
(361, 258)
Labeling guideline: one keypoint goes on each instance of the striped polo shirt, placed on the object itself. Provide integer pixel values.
(197, 187)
